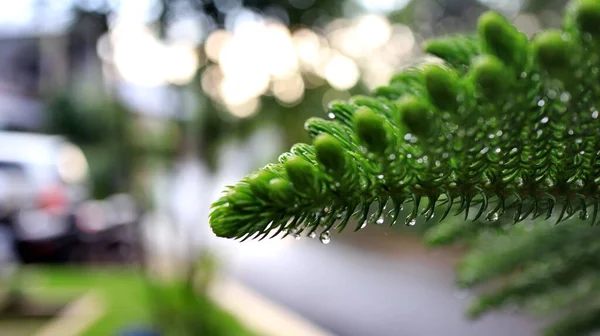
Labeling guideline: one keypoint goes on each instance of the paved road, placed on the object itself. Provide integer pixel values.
(356, 292)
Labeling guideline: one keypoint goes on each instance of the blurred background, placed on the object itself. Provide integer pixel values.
(122, 120)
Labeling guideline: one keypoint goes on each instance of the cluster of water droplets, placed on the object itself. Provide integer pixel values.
(324, 237)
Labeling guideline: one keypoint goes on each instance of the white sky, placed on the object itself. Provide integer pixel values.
(19, 17)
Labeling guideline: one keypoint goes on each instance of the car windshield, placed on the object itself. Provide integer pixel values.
(27, 149)
(33, 154)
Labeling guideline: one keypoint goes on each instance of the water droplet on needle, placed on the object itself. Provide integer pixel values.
(325, 238)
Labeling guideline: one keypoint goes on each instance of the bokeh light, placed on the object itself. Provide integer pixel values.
(142, 59)
(288, 90)
(256, 54)
(307, 45)
(236, 89)
(182, 63)
(341, 72)
(215, 43)
(245, 109)
(373, 31)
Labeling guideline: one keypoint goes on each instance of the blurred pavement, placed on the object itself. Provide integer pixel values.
(357, 292)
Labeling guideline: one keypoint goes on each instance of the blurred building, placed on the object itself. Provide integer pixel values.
(35, 63)
(19, 78)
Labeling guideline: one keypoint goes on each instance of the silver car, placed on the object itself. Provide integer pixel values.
(43, 179)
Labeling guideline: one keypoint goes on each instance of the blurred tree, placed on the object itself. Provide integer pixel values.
(109, 134)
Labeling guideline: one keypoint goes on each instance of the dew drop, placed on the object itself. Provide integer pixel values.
(331, 115)
(380, 220)
(541, 102)
(484, 150)
(535, 77)
(380, 176)
(499, 133)
(578, 140)
(324, 237)
(565, 97)
(409, 155)
(407, 136)
(571, 132)
(410, 221)
(579, 183)
(492, 216)
(312, 234)
(544, 120)
(392, 157)
(363, 225)
(583, 215)
(498, 150)
(517, 216)
(595, 115)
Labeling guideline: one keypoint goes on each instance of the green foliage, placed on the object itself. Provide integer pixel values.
(108, 133)
(504, 132)
(80, 126)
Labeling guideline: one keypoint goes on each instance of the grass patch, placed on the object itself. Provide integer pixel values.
(130, 300)
(123, 293)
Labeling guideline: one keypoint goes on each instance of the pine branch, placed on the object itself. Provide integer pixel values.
(507, 124)
(505, 132)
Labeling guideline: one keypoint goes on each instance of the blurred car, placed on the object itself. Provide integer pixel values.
(44, 190)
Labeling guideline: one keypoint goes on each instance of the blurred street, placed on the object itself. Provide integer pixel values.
(357, 292)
